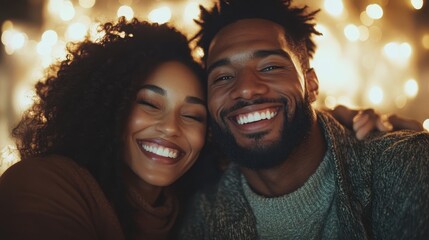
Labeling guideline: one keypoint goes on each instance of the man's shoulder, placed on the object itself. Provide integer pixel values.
(401, 142)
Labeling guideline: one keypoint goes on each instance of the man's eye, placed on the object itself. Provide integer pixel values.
(222, 78)
(148, 104)
(269, 68)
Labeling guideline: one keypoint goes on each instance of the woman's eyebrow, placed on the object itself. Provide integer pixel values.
(162, 92)
(154, 88)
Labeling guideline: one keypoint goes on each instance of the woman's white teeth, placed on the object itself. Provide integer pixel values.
(161, 151)
(255, 116)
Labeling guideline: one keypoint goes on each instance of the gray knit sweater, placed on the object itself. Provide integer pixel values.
(382, 190)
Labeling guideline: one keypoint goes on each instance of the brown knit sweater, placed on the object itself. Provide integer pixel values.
(54, 198)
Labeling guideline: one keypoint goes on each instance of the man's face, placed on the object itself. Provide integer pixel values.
(256, 93)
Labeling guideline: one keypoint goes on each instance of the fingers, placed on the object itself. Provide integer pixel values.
(383, 124)
(400, 123)
(363, 123)
(368, 120)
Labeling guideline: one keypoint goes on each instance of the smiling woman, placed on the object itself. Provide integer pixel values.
(115, 127)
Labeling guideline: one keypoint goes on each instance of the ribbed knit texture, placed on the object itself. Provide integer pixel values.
(301, 214)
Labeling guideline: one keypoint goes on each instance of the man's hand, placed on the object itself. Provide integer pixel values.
(365, 121)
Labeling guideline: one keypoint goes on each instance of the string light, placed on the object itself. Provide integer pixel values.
(411, 88)
(125, 11)
(417, 4)
(374, 11)
(160, 15)
(426, 124)
(334, 7)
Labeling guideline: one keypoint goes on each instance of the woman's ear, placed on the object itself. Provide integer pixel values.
(312, 84)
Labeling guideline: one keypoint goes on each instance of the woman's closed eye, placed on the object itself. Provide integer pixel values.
(195, 117)
(147, 103)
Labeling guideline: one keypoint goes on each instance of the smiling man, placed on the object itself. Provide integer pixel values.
(296, 173)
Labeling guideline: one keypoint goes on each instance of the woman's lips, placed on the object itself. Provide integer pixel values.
(161, 150)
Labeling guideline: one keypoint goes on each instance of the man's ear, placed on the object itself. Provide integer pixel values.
(312, 84)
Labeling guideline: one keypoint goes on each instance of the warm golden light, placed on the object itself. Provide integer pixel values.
(425, 41)
(24, 97)
(411, 88)
(351, 32)
(365, 19)
(363, 33)
(87, 3)
(400, 101)
(374, 11)
(67, 11)
(43, 49)
(125, 11)
(376, 95)
(8, 156)
(13, 40)
(6, 25)
(330, 102)
(160, 15)
(192, 11)
(417, 4)
(398, 52)
(334, 7)
(426, 124)
(76, 32)
(50, 37)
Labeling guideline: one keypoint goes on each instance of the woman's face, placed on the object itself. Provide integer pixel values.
(167, 125)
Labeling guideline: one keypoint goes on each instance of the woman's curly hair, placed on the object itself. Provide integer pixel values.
(84, 102)
(295, 20)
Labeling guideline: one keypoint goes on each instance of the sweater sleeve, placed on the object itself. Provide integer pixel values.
(42, 200)
(401, 190)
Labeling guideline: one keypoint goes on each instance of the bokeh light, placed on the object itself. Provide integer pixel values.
(334, 7)
(426, 124)
(417, 4)
(160, 15)
(125, 11)
(411, 88)
(376, 95)
(87, 3)
(374, 11)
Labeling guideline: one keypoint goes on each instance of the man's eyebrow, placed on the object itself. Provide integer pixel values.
(195, 100)
(266, 53)
(154, 88)
(219, 63)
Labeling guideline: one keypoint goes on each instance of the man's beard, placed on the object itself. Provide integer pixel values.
(262, 155)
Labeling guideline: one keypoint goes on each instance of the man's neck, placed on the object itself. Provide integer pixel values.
(293, 172)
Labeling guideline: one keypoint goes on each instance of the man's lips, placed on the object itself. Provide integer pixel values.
(254, 114)
(160, 149)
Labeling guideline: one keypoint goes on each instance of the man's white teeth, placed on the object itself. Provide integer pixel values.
(255, 116)
(161, 151)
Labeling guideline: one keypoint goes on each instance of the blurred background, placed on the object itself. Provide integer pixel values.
(373, 53)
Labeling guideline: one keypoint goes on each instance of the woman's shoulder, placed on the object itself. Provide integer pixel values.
(54, 196)
(49, 170)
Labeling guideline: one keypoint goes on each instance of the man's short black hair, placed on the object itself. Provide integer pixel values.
(296, 21)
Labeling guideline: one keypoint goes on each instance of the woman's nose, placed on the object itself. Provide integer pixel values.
(169, 125)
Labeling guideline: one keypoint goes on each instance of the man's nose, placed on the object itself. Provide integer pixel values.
(248, 85)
